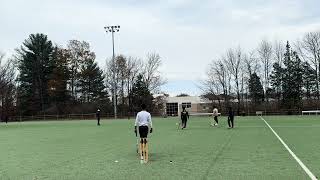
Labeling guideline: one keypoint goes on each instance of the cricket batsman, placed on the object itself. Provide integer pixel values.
(143, 122)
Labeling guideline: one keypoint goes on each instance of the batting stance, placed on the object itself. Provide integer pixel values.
(143, 122)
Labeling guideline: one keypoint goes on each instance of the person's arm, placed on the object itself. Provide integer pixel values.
(150, 123)
(136, 124)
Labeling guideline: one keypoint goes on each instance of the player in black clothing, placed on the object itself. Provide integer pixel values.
(98, 116)
(184, 117)
(230, 117)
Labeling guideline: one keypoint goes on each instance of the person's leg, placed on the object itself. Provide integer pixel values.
(212, 122)
(229, 122)
(232, 121)
(216, 119)
(185, 123)
(141, 143)
(146, 150)
(182, 123)
(98, 121)
(145, 135)
(141, 149)
(143, 131)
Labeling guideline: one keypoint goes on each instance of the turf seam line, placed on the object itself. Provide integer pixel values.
(217, 156)
(303, 166)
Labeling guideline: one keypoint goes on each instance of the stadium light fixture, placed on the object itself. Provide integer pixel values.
(112, 30)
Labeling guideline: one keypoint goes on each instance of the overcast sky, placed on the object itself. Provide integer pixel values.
(188, 34)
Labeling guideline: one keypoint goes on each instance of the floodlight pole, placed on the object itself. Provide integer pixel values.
(113, 29)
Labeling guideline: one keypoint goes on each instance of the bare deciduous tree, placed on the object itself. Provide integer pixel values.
(152, 75)
(127, 70)
(265, 56)
(278, 51)
(309, 48)
(233, 62)
(211, 87)
(221, 74)
(133, 69)
(79, 53)
(7, 86)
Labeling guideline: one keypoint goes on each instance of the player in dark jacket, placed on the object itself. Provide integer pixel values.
(184, 117)
(98, 116)
(230, 117)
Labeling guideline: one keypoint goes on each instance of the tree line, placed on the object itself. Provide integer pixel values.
(45, 78)
(275, 76)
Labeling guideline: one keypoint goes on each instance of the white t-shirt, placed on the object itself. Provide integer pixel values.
(215, 112)
(143, 119)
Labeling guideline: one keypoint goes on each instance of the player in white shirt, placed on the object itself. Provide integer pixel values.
(143, 122)
(215, 117)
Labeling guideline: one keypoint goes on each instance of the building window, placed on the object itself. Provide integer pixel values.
(186, 104)
(172, 109)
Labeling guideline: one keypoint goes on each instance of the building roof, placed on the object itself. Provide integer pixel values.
(187, 99)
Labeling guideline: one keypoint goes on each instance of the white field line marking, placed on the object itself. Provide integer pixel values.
(280, 126)
(304, 167)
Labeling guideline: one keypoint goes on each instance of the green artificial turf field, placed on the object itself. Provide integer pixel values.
(82, 150)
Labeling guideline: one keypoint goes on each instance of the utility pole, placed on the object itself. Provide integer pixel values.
(112, 30)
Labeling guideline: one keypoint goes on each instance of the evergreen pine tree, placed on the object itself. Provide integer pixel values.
(256, 89)
(292, 79)
(35, 66)
(309, 79)
(276, 79)
(140, 94)
(91, 82)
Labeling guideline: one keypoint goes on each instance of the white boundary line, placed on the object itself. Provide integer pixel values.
(304, 167)
(280, 126)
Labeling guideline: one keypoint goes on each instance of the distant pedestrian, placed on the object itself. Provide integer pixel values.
(98, 116)
(230, 118)
(184, 117)
(215, 117)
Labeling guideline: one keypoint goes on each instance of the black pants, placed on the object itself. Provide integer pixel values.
(230, 121)
(98, 118)
(216, 119)
(184, 123)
